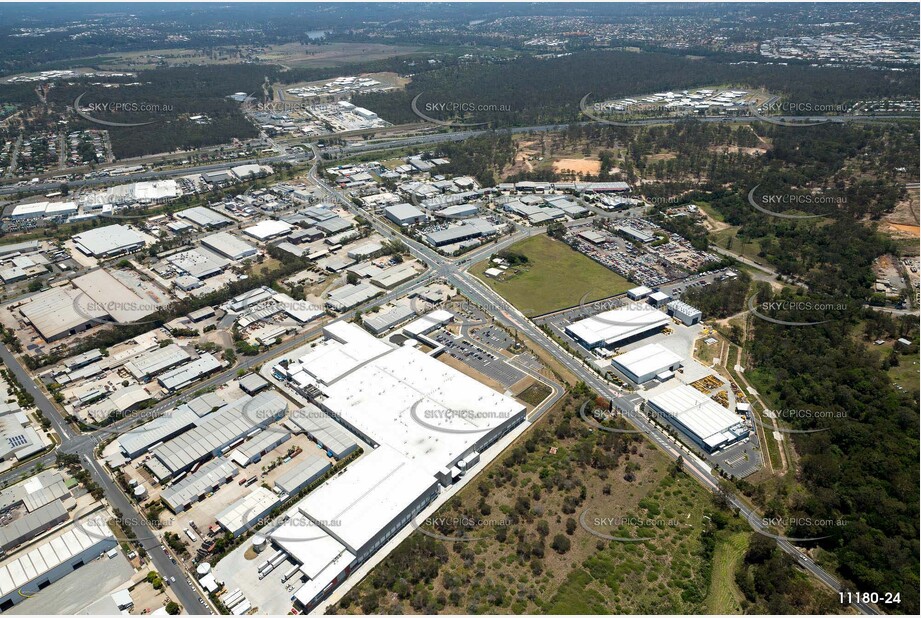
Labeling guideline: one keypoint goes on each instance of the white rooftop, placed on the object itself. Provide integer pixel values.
(268, 229)
(347, 346)
(417, 405)
(356, 505)
(702, 416)
(309, 545)
(649, 359)
(609, 327)
(108, 239)
(248, 508)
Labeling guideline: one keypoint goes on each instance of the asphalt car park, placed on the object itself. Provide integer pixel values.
(480, 359)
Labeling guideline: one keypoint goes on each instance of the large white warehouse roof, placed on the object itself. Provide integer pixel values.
(609, 327)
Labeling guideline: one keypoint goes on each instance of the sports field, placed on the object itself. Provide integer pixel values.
(555, 277)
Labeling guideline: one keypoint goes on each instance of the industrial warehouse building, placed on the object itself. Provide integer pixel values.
(198, 263)
(650, 361)
(302, 475)
(52, 559)
(407, 406)
(31, 525)
(180, 377)
(639, 292)
(404, 214)
(204, 217)
(158, 360)
(96, 297)
(194, 487)
(217, 433)
(108, 241)
(327, 433)
(249, 510)
(709, 425)
(686, 313)
(268, 229)
(659, 299)
(387, 317)
(258, 445)
(470, 229)
(229, 246)
(618, 326)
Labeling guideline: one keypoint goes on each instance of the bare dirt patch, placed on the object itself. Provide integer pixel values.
(578, 166)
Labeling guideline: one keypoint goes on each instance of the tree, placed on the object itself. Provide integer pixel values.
(561, 544)
(173, 608)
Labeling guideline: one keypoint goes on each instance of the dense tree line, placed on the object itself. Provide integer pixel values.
(531, 90)
(722, 298)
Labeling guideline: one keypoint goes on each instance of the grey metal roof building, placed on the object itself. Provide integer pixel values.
(55, 557)
(326, 432)
(385, 319)
(253, 449)
(199, 263)
(647, 362)
(250, 510)
(60, 312)
(252, 383)
(635, 234)
(351, 295)
(140, 439)
(404, 214)
(181, 377)
(32, 524)
(204, 217)
(219, 430)
(472, 228)
(302, 474)
(708, 424)
(229, 246)
(180, 496)
(151, 363)
(108, 241)
(686, 313)
(333, 225)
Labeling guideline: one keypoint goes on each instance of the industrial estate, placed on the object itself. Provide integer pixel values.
(321, 345)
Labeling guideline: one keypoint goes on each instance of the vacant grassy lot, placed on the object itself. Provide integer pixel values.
(725, 596)
(555, 277)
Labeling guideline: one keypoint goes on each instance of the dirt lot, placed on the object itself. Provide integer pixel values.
(578, 166)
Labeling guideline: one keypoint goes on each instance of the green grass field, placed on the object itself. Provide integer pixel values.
(724, 596)
(556, 277)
